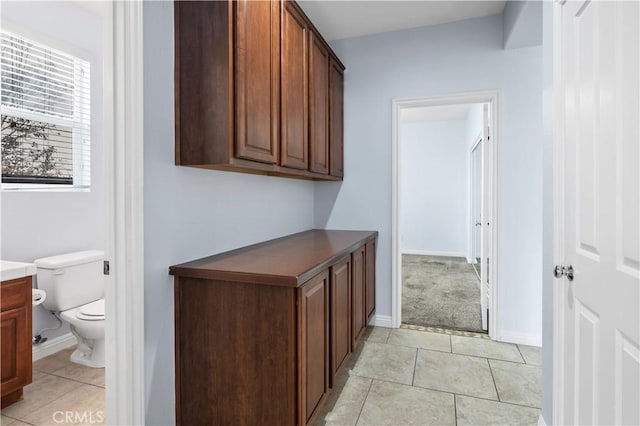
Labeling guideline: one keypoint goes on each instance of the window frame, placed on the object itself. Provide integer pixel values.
(79, 150)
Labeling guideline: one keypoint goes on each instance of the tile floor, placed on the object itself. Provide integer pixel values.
(411, 377)
(60, 388)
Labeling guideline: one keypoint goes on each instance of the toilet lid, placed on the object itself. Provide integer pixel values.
(93, 311)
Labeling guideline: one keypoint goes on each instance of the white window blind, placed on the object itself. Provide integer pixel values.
(45, 111)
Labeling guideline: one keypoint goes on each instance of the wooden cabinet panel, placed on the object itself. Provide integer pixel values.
(357, 296)
(314, 345)
(336, 119)
(257, 80)
(294, 95)
(370, 278)
(319, 105)
(15, 336)
(340, 314)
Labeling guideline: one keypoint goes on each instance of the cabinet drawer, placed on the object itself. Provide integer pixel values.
(15, 293)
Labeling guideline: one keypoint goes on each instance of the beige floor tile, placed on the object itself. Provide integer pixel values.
(532, 354)
(518, 383)
(17, 423)
(420, 339)
(485, 348)
(376, 334)
(84, 405)
(478, 412)
(44, 389)
(54, 362)
(395, 404)
(80, 373)
(345, 403)
(6, 421)
(454, 373)
(386, 362)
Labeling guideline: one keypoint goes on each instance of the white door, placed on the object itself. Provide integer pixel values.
(598, 197)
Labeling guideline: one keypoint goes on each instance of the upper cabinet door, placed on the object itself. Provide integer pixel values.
(257, 80)
(336, 126)
(294, 90)
(319, 105)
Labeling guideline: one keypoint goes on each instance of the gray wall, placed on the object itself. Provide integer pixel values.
(40, 224)
(434, 208)
(191, 213)
(451, 58)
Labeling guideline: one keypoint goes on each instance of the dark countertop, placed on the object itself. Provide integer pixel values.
(288, 261)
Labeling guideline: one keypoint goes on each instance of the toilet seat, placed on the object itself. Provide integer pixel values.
(93, 311)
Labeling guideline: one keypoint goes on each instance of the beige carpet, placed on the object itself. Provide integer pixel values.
(440, 292)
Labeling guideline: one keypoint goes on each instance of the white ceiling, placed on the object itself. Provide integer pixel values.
(337, 19)
(437, 113)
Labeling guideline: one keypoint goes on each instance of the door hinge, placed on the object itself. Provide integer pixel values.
(105, 267)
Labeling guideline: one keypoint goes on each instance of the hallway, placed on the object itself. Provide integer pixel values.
(440, 292)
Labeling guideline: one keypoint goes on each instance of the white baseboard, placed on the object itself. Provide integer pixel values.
(381, 321)
(436, 253)
(52, 346)
(520, 338)
(541, 421)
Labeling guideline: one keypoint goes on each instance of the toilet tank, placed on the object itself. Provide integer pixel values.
(71, 279)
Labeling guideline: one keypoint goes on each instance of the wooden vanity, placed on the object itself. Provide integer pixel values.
(15, 329)
(261, 332)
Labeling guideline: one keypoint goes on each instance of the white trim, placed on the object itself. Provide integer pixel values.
(437, 253)
(382, 321)
(558, 387)
(541, 421)
(492, 97)
(519, 338)
(124, 292)
(51, 346)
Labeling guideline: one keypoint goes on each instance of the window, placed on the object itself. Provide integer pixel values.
(45, 114)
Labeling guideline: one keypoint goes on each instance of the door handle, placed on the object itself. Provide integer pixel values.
(561, 271)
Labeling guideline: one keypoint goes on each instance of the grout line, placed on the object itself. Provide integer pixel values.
(364, 401)
(522, 356)
(455, 409)
(494, 380)
(415, 363)
(73, 380)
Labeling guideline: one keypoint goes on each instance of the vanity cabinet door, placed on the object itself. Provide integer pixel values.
(313, 340)
(357, 296)
(15, 336)
(336, 119)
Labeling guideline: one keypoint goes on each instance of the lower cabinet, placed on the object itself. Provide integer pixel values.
(313, 341)
(262, 344)
(370, 280)
(15, 334)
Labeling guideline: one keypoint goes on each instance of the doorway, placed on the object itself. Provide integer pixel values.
(444, 200)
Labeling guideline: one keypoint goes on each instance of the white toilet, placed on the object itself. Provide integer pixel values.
(74, 284)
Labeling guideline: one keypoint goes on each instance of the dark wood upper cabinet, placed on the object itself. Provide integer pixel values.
(257, 80)
(253, 90)
(294, 83)
(336, 118)
(319, 105)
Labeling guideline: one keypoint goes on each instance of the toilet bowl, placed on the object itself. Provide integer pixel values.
(87, 325)
(74, 284)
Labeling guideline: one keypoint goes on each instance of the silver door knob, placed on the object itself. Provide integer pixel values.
(478, 223)
(563, 271)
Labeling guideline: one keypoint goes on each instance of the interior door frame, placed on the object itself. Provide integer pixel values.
(491, 97)
(123, 161)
